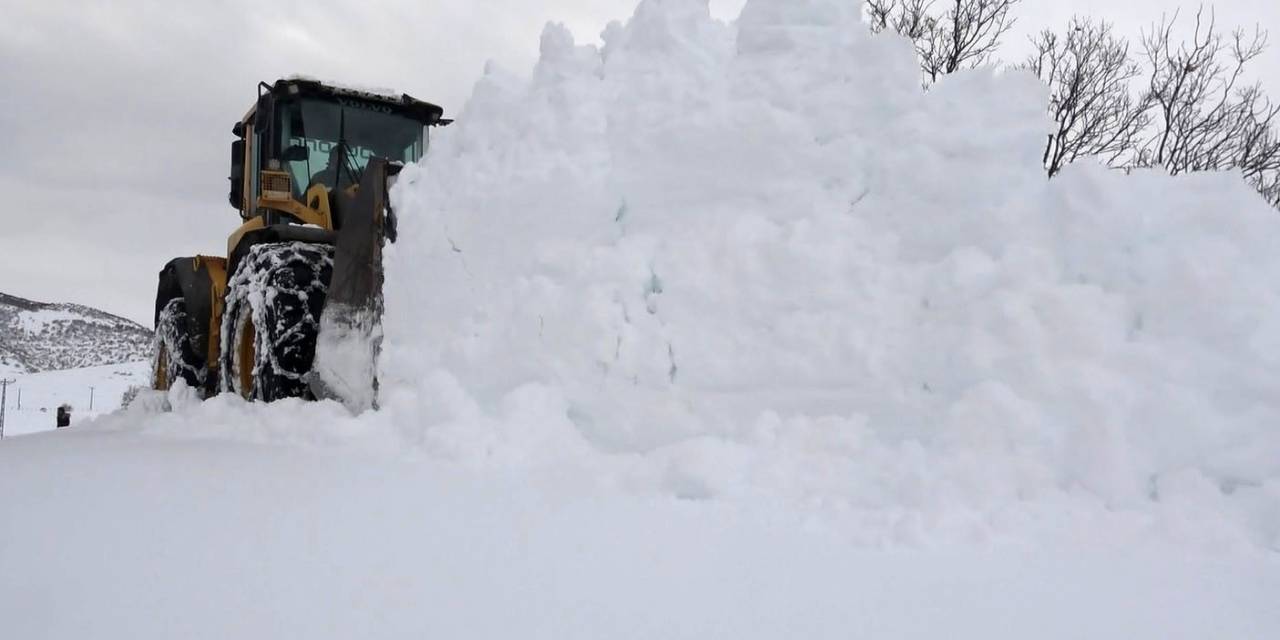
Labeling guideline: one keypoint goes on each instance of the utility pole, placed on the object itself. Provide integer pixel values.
(91, 398)
(4, 392)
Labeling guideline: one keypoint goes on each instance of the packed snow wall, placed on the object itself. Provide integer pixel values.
(757, 259)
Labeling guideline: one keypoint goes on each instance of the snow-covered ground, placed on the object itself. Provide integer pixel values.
(33, 399)
(128, 536)
(725, 330)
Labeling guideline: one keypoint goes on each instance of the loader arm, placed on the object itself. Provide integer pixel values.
(350, 337)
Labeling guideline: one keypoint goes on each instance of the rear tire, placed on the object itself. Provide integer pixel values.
(175, 356)
(272, 320)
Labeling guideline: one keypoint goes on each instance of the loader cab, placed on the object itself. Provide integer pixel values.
(331, 142)
(301, 133)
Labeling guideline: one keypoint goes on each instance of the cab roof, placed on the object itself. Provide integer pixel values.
(425, 112)
(297, 87)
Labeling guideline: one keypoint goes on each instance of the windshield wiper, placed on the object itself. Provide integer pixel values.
(348, 155)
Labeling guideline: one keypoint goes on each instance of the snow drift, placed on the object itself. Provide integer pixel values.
(756, 260)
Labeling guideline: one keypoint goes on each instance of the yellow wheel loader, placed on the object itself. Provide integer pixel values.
(294, 308)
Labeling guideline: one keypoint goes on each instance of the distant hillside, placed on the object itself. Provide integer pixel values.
(36, 336)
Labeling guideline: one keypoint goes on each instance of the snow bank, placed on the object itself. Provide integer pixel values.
(757, 261)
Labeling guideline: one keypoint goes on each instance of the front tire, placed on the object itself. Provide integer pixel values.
(272, 320)
(175, 356)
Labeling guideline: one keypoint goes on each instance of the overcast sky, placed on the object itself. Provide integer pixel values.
(116, 117)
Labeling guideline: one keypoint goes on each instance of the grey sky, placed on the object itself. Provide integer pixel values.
(116, 116)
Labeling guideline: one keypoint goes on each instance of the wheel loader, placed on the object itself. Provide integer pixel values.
(293, 310)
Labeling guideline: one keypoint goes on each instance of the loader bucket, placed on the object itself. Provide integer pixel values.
(350, 336)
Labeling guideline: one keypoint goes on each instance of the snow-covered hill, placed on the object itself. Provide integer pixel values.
(37, 336)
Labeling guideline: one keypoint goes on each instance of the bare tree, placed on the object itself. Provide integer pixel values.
(964, 35)
(1207, 117)
(1258, 147)
(1088, 71)
(1195, 112)
(908, 17)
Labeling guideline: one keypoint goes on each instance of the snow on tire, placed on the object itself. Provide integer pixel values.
(272, 319)
(174, 356)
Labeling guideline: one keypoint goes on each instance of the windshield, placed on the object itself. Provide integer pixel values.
(367, 131)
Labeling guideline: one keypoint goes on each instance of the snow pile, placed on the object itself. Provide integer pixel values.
(756, 261)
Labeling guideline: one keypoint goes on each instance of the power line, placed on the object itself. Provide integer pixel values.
(4, 396)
